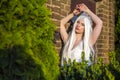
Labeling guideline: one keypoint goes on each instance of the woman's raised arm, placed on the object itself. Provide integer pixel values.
(98, 23)
(64, 34)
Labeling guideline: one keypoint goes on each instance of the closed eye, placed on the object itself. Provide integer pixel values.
(82, 24)
(78, 21)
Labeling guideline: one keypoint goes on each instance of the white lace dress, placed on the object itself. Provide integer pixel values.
(76, 53)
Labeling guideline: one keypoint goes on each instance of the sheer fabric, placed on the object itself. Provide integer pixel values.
(75, 54)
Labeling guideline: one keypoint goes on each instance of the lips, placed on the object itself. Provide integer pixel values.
(77, 28)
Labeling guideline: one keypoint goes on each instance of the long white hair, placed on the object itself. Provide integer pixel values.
(87, 48)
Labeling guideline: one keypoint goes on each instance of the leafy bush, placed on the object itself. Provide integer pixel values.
(26, 48)
(98, 71)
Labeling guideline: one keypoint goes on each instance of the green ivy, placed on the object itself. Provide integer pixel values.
(27, 51)
(97, 71)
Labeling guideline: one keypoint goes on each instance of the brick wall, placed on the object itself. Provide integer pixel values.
(111, 24)
(105, 43)
(104, 9)
(60, 9)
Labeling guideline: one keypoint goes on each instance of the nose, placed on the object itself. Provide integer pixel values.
(79, 25)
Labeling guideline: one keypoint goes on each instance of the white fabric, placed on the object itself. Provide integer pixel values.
(75, 54)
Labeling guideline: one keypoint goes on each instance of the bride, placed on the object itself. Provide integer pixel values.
(82, 37)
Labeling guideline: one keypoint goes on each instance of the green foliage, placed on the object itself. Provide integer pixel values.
(97, 71)
(26, 48)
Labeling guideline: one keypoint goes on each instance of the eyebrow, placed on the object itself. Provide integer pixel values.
(81, 23)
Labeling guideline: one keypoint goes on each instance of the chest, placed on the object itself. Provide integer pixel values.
(78, 44)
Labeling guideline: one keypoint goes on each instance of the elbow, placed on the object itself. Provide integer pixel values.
(100, 23)
(62, 24)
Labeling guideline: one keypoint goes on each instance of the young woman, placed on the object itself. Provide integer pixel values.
(82, 37)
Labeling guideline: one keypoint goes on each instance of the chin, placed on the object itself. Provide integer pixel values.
(78, 32)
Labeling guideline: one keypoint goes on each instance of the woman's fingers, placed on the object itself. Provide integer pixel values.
(82, 7)
(79, 8)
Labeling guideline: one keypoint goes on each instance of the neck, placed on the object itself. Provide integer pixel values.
(79, 36)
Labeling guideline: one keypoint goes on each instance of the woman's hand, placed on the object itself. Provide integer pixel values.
(98, 23)
(83, 7)
(76, 11)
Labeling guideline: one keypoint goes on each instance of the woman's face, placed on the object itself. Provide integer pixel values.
(80, 26)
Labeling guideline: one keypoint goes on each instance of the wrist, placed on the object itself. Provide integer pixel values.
(73, 13)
